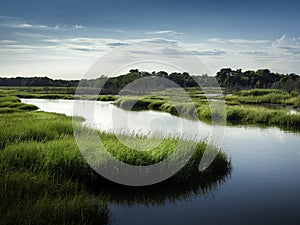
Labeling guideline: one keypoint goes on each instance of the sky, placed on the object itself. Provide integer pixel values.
(64, 39)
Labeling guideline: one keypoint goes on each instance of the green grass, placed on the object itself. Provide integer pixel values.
(260, 92)
(243, 114)
(7, 98)
(9, 104)
(27, 197)
(54, 93)
(107, 98)
(45, 180)
(45, 142)
(43, 96)
(260, 115)
(36, 126)
(259, 96)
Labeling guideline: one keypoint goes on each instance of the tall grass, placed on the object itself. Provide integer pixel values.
(34, 190)
(38, 126)
(244, 114)
(178, 107)
(62, 158)
(107, 98)
(273, 96)
(259, 92)
(10, 104)
(37, 198)
(260, 115)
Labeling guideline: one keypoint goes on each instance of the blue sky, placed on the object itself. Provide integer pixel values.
(62, 39)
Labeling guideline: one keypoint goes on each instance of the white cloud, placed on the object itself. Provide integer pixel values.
(29, 26)
(166, 32)
(8, 42)
(287, 46)
(210, 52)
(154, 41)
(23, 25)
(286, 41)
(78, 27)
(113, 30)
(238, 41)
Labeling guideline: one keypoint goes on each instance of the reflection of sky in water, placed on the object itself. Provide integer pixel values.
(107, 117)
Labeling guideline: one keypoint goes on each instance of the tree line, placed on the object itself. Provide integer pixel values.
(263, 78)
(226, 77)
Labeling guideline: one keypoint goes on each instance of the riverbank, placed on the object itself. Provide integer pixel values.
(237, 114)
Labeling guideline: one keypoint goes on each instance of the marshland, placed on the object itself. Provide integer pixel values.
(46, 180)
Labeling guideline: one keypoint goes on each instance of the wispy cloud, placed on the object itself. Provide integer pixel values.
(286, 41)
(212, 52)
(155, 41)
(79, 27)
(26, 25)
(238, 41)
(113, 30)
(84, 49)
(8, 42)
(165, 32)
(23, 25)
(117, 44)
(257, 53)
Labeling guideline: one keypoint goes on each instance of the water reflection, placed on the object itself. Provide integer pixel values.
(165, 192)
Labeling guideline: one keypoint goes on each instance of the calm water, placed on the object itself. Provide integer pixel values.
(263, 187)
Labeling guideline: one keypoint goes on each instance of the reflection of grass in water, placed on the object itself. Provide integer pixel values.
(45, 180)
(165, 192)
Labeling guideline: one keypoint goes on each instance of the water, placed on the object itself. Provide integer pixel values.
(263, 187)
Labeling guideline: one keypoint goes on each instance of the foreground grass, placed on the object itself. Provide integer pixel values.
(32, 189)
(37, 198)
(45, 180)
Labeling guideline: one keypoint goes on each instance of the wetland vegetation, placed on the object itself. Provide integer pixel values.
(45, 180)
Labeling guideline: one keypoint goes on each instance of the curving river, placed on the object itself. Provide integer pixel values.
(263, 187)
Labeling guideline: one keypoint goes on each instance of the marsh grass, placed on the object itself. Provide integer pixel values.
(260, 115)
(258, 96)
(27, 197)
(61, 157)
(107, 98)
(35, 126)
(177, 107)
(13, 94)
(236, 113)
(10, 104)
